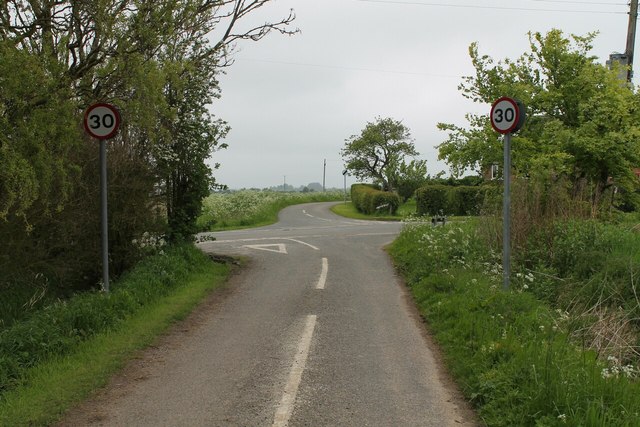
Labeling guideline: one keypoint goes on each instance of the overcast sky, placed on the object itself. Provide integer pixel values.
(292, 101)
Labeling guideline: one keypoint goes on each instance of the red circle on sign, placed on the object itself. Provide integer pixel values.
(500, 121)
(102, 120)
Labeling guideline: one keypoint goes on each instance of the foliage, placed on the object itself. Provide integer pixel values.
(432, 200)
(518, 359)
(49, 389)
(459, 200)
(379, 151)
(251, 208)
(604, 257)
(582, 121)
(159, 65)
(348, 210)
(369, 200)
(410, 177)
(58, 328)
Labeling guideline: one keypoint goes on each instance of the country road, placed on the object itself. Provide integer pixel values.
(317, 330)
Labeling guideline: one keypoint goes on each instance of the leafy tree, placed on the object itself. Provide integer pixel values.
(582, 122)
(411, 176)
(378, 152)
(158, 62)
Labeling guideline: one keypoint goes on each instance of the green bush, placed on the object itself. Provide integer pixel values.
(58, 328)
(369, 200)
(459, 200)
(465, 200)
(433, 200)
(604, 259)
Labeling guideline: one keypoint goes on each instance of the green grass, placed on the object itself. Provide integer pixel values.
(47, 389)
(348, 210)
(516, 357)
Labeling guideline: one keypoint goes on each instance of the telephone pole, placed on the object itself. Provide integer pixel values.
(324, 175)
(631, 37)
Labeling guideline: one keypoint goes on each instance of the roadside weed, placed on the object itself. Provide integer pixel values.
(528, 357)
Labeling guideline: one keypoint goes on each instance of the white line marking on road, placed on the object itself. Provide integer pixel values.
(323, 274)
(371, 234)
(280, 248)
(285, 409)
(311, 216)
(303, 243)
(262, 239)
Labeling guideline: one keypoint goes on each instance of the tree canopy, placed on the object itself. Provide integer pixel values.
(582, 121)
(158, 62)
(379, 151)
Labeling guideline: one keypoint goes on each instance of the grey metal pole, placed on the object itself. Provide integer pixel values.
(103, 210)
(506, 213)
(344, 175)
(324, 175)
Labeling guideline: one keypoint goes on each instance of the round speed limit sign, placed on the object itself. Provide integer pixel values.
(507, 115)
(102, 121)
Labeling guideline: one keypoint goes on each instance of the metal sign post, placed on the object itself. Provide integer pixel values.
(101, 121)
(506, 214)
(507, 117)
(344, 174)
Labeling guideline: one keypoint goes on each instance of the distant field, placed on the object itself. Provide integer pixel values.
(250, 208)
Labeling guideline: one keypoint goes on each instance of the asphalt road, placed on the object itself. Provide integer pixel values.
(316, 331)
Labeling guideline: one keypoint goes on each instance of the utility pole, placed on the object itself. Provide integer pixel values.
(631, 37)
(324, 174)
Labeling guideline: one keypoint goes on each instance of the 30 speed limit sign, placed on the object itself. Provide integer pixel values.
(102, 121)
(507, 115)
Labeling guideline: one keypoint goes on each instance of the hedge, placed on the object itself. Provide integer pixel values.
(448, 200)
(368, 199)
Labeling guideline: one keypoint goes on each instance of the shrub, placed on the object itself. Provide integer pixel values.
(433, 200)
(368, 199)
(465, 200)
(459, 200)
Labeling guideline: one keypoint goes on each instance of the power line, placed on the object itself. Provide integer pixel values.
(464, 6)
(597, 3)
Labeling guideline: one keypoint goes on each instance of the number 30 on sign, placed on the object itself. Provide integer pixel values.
(507, 115)
(102, 121)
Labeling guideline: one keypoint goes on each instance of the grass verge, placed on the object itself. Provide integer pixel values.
(45, 391)
(514, 356)
(348, 210)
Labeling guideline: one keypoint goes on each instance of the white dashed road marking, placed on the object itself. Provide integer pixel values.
(285, 409)
(323, 274)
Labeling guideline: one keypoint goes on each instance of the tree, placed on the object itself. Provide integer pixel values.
(378, 152)
(582, 122)
(158, 62)
(411, 176)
